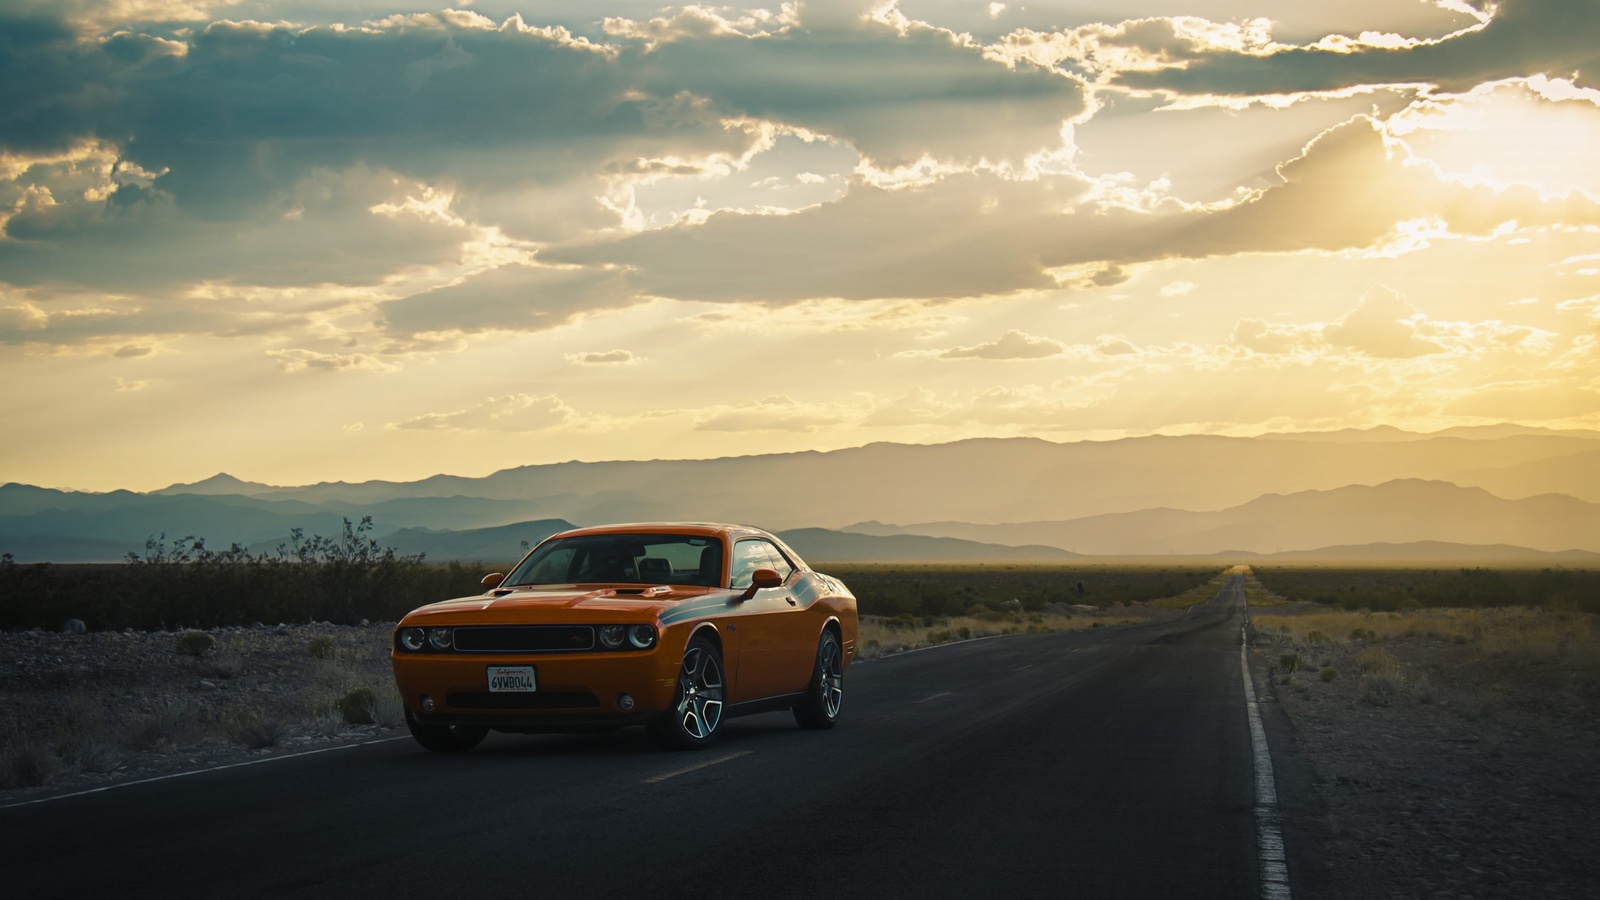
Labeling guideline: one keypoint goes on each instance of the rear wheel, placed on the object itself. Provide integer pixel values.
(446, 738)
(824, 697)
(695, 719)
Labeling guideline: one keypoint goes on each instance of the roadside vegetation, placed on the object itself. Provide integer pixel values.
(1395, 589)
(1531, 642)
(344, 580)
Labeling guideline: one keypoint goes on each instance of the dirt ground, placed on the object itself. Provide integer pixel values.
(1475, 775)
(81, 710)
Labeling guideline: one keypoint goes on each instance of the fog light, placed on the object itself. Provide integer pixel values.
(625, 702)
(427, 703)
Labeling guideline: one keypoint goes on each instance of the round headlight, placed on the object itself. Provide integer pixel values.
(642, 636)
(611, 636)
(439, 638)
(412, 639)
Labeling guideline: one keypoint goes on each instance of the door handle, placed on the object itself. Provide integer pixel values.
(791, 600)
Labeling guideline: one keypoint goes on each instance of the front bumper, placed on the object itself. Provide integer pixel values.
(572, 688)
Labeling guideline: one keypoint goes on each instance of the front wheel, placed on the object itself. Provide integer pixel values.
(824, 697)
(695, 719)
(446, 738)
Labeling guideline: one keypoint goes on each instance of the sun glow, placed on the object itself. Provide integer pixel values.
(1522, 132)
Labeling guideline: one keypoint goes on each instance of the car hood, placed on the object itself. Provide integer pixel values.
(561, 604)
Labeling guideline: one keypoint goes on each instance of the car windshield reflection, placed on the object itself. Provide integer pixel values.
(651, 559)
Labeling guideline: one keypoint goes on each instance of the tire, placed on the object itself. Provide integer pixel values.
(824, 697)
(446, 738)
(695, 718)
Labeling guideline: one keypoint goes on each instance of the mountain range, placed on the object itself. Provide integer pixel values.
(1531, 490)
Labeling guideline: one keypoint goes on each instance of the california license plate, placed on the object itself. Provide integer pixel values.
(512, 680)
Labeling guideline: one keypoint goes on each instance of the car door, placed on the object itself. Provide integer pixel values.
(772, 626)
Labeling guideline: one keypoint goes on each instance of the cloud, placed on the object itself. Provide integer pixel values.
(604, 358)
(1177, 288)
(1011, 345)
(983, 234)
(510, 298)
(512, 412)
(1383, 325)
(775, 413)
(1522, 37)
(301, 360)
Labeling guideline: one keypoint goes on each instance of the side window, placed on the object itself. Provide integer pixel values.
(748, 556)
(777, 562)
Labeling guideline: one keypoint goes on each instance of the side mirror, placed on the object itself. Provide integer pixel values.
(492, 580)
(762, 578)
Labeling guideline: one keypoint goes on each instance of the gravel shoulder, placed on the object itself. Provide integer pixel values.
(79, 711)
(1474, 772)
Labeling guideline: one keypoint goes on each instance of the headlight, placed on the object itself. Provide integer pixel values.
(642, 636)
(412, 639)
(439, 638)
(611, 636)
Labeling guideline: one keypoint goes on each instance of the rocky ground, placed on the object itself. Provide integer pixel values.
(1462, 770)
(81, 710)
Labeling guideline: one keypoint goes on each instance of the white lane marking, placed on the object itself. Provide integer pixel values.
(696, 767)
(253, 762)
(934, 696)
(1269, 838)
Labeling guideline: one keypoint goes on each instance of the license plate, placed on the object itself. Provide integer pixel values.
(512, 680)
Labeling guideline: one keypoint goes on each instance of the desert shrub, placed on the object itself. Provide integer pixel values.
(258, 732)
(1289, 662)
(170, 723)
(1376, 661)
(90, 753)
(963, 632)
(1316, 637)
(27, 765)
(1363, 634)
(358, 705)
(195, 643)
(321, 647)
(223, 665)
(1329, 673)
(389, 710)
(1423, 690)
(1379, 689)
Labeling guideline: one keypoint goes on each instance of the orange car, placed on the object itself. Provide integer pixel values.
(676, 627)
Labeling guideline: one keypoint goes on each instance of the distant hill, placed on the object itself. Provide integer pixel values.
(1186, 494)
(1401, 511)
(1418, 552)
(824, 545)
(1576, 474)
(498, 546)
(56, 549)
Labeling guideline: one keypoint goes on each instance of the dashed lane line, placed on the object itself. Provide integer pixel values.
(657, 779)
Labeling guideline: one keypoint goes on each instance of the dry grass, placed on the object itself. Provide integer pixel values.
(1514, 633)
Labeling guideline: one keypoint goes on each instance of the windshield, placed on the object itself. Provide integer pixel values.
(624, 559)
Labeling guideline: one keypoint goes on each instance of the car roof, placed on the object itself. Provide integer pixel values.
(706, 528)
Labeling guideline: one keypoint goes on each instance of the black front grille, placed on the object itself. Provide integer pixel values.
(524, 638)
(518, 700)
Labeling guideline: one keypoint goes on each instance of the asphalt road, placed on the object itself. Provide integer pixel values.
(1106, 763)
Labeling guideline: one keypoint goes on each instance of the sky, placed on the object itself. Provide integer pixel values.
(308, 241)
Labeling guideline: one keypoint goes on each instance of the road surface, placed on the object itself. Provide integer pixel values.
(1106, 763)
